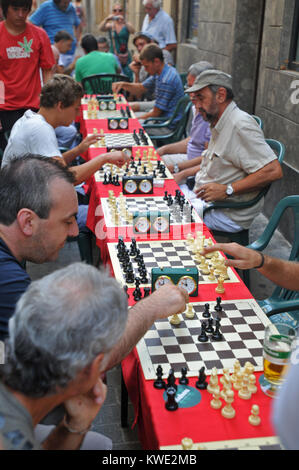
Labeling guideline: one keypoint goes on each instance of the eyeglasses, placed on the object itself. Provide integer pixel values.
(115, 10)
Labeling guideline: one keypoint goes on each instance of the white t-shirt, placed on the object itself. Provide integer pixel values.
(31, 134)
(237, 148)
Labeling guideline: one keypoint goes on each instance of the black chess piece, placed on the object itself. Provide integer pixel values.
(210, 328)
(105, 179)
(171, 380)
(183, 380)
(206, 313)
(218, 307)
(201, 382)
(159, 383)
(217, 335)
(203, 337)
(171, 404)
(146, 290)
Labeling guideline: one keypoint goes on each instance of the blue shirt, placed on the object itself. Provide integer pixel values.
(200, 134)
(168, 89)
(14, 280)
(160, 28)
(52, 19)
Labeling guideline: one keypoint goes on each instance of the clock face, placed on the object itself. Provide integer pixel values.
(162, 280)
(123, 124)
(142, 225)
(127, 152)
(113, 124)
(103, 105)
(130, 186)
(145, 186)
(111, 105)
(187, 283)
(161, 224)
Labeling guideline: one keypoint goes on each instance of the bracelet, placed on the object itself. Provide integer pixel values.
(74, 431)
(261, 263)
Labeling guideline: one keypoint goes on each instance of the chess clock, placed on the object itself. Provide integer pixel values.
(106, 104)
(118, 123)
(138, 184)
(151, 222)
(186, 278)
(126, 150)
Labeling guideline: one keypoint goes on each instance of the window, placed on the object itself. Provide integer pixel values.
(193, 20)
(294, 51)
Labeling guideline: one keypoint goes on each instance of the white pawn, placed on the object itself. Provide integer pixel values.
(237, 368)
(251, 384)
(187, 443)
(238, 381)
(254, 419)
(190, 312)
(228, 411)
(175, 319)
(244, 393)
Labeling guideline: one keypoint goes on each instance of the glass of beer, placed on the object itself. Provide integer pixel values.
(279, 342)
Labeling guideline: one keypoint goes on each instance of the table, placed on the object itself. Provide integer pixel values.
(159, 428)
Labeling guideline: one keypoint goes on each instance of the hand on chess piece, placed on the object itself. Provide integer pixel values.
(85, 144)
(169, 300)
(117, 158)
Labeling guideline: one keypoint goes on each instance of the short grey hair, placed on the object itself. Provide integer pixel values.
(155, 3)
(198, 67)
(61, 323)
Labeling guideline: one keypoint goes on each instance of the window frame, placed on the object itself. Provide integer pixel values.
(191, 38)
(294, 44)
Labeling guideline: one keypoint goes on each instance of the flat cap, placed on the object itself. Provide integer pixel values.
(211, 77)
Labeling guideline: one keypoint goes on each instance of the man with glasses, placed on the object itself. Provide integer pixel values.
(159, 24)
(237, 163)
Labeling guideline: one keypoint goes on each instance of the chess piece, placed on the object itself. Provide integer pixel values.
(228, 411)
(206, 313)
(189, 312)
(237, 368)
(244, 393)
(210, 329)
(213, 383)
(175, 319)
(216, 403)
(171, 404)
(159, 383)
(203, 337)
(187, 443)
(201, 382)
(238, 381)
(217, 335)
(251, 384)
(220, 289)
(183, 379)
(171, 380)
(254, 419)
(218, 306)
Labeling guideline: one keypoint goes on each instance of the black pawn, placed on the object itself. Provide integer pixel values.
(218, 307)
(146, 291)
(201, 382)
(217, 335)
(171, 380)
(206, 313)
(171, 404)
(159, 383)
(184, 380)
(203, 337)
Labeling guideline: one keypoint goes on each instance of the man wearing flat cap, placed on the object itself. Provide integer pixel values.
(237, 163)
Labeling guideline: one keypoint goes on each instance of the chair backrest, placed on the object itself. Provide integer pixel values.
(259, 121)
(102, 83)
(291, 203)
(183, 107)
(277, 147)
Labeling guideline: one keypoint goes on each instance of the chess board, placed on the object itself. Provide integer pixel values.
(114, 170)
(119, 140)
(168, 253)
(144, 204)
(173, 347)
(90, 98)
(257, 443)
(97, 114)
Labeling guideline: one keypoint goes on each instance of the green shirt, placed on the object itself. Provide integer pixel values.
(95, 62)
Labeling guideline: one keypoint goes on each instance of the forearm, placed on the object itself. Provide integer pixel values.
(86, 170)
(281, 272)
(61, 439)
(178, 147)
(155, 112)
(259, 179)
(194, 163)
(103, 25)
(47, 75)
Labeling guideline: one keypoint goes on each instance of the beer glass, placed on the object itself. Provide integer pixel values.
(279, 342)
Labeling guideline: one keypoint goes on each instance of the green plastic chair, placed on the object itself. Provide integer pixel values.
(242, 237)
(167, 134)
(259, 121)
(102, 83)
(281, 300)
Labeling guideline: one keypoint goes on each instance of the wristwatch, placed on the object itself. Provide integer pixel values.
(176, 168)
(229, 190)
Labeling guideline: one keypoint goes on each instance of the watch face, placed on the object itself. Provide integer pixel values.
(103, 105)
(142, 225)
(113, 124)
(127, 152)
(111, 105)
(130, 186)
(187, 283)
(229, 190)
(123, 124)
(145, 186)
(161, 224)
(162, 280)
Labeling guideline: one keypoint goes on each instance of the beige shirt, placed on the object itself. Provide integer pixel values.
(237, 148)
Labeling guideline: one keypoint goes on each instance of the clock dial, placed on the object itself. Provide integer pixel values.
(130, 186)
(145, 186)
(142, 225)
(103, 105)
(127, 152)
(187, 283)
(111, 105)
(162, 280)
(161, 224)
(123, 124)
(113, 124)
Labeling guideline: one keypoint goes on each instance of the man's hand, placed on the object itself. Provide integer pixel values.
(162, 151)
(211, 192)
(245, 258)
(82, 409)
(117, 86)
(118, 158)
(87, 142)
(179, 177)
(168, 300)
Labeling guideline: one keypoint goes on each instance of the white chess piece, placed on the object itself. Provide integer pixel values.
(187, 443)
(254, 419)
(228, 411)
